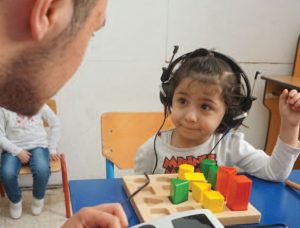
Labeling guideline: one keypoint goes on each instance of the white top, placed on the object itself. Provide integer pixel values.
(232, 150)
(18, 132)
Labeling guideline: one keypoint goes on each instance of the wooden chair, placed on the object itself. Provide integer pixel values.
(123, 133)
(59, 166)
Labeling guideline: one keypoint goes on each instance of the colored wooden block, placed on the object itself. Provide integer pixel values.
(179, 190)
(223, 175)
(204, 166)
(238, 195)
(185, 168)
(194, 177)
(198, 190)
(212, 175)
(214, 201)
(154, 201)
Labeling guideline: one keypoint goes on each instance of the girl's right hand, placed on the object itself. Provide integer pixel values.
(24, 156)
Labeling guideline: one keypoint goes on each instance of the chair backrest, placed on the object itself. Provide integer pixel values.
(124, 132)
(55, 166)
(52, 104)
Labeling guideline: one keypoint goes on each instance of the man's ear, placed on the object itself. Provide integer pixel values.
(50, 16)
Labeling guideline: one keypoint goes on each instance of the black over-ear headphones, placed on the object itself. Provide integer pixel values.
(234, 115)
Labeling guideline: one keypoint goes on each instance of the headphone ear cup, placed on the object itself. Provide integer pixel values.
(234, 117)
(229, 121)
(247, 103)
(225, 124)
(164, 95)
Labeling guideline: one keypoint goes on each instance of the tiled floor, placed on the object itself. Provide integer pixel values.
(53, 214)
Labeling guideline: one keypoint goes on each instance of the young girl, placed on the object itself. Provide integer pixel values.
(207, 102)
(24, 140)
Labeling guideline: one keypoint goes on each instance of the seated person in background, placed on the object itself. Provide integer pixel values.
(207, 102)
(24, 140)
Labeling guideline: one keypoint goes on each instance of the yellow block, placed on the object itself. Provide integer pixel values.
(194, 177)
(198, 190)
(185, 168)
(214, 201)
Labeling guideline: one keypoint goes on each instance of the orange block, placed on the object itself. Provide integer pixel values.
(238, 195)
(223, 175)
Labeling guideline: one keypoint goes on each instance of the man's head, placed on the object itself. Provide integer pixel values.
(43, 47)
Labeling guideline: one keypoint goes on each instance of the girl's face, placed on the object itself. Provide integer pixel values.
(197, 111)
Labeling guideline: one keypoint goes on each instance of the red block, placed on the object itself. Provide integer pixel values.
(223, 177)
(238, 195)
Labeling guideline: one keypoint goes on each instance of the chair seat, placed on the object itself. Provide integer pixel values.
(55, 167)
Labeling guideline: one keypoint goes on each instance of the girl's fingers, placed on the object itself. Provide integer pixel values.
(293, 96)
(292, 92)
(283, 98)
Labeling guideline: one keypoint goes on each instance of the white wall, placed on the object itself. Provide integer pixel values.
(122, 68)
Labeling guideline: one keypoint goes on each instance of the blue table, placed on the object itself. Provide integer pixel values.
(276, 202)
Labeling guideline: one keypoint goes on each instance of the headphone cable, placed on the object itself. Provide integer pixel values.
(155, 137)
(214, 147)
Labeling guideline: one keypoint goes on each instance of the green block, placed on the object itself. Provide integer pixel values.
(204, 166)
(212, 175)
(179, 190)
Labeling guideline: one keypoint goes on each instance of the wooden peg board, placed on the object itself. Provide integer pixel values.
(153, 201)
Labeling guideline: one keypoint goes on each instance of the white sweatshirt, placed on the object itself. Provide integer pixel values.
(232, 150)
(18, 132)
